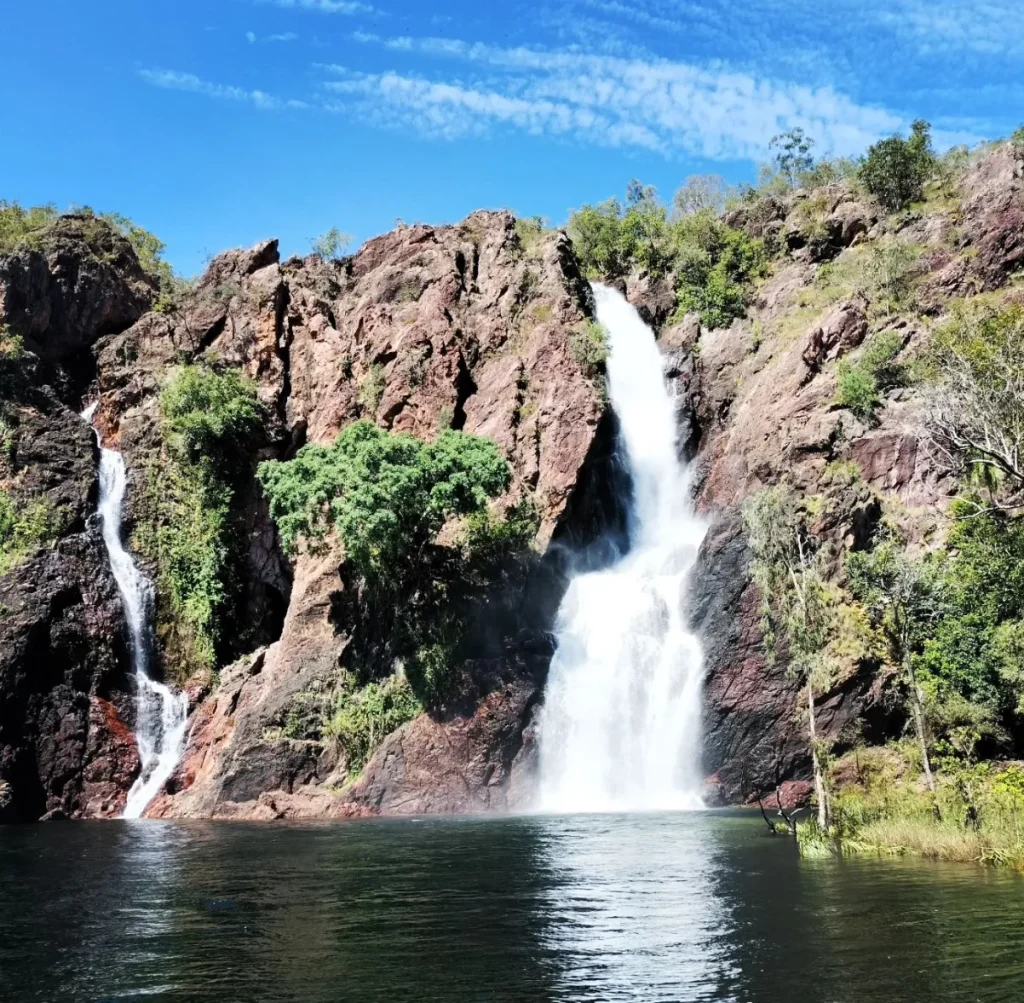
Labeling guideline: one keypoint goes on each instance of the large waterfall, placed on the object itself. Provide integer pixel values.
(162, 714)
(620, 727)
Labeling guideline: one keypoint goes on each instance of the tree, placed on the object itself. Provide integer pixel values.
(896, 169)
(975, 410)
(386, 494)
(332, 245)
(797, 606)
(903, 597)
(792, 154)
(700, 193)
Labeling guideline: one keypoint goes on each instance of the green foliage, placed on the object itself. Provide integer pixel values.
(387, 495)
(12, 352)
(972, 654)
(18, 224)
(1017, 137)
(700, 193)
(609, 238)
(792, 151)
(896, 169)
(148, 248)
(588, 343)
(364, 717)
(211, 424)
(25, 527)
(332, 245)
(530, 232)
(858, 383)
(714, 265)
(205, 411)
(371, 388)
(889, 270)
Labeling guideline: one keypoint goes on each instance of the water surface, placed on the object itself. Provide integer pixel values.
(671, 907)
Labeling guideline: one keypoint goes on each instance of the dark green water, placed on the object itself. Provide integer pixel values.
(646, 908)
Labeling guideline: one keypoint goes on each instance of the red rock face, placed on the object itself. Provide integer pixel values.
(459, 326)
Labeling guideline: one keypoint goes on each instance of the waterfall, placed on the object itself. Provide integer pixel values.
(162, 714)
(620, 726)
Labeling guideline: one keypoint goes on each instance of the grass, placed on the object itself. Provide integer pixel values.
(975, 816)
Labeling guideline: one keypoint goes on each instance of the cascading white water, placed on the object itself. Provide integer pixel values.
(162, 713)
(620, 726)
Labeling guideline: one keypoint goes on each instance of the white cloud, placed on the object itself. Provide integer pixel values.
(987, 27)
(323, 6)
(287, 36)
(175, 81)
(609, 100)
(250, 37)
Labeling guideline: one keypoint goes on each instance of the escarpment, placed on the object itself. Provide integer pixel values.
(297, 708)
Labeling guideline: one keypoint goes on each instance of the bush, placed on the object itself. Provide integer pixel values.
(371, 388)
(12, 352)
(190, 529)
(363, 718)
(714, 265)
(589, 346)
(858, 383)
(896, 169)
(18, 224)
(386, 494)
(332, 245)
(209, 416)
(25, 527)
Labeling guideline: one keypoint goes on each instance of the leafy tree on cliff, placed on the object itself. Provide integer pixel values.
(797, 607)
(904, 598)
(792, 154)
(387, 496)
(976, 408)
(896, 169)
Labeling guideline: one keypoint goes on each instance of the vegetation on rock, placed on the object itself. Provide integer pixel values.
(188, 523)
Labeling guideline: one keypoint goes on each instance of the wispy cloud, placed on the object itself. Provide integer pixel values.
(607, 100)
(288, 36)
(323, 6)
(988, 27)
(175, 81)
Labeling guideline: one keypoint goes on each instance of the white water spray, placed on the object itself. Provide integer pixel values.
(162, 714)
(620, 727)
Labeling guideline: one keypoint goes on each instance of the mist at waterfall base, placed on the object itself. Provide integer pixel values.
(620, 725)
(161, 714)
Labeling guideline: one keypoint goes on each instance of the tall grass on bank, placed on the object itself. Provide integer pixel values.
(975, 816)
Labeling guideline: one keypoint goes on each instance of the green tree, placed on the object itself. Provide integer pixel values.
(896, 169)
(386, 494)
(904, 598)
(976, 404)
(797, 607)
(792, 151)
(332, 245)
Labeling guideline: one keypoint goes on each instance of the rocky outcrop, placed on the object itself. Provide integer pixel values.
(76, 281)
(65, 749)
(424, 328)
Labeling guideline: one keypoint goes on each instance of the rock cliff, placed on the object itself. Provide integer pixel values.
(470, 327)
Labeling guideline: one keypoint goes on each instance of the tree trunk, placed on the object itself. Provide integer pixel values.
(824, 815)
(918, 712)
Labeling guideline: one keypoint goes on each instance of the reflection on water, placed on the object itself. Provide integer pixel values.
(633, 911)
(646, 908)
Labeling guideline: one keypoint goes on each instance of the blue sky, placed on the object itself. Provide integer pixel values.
(216, 123)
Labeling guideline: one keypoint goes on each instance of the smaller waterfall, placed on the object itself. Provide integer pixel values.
(162, 713)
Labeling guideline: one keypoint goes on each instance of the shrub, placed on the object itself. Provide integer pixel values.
(792, 154)
(18, 223)
(190, 529)
(1017, 137)
(332, 245)
(210, 416)
(25, 527)
(588, 343)
(12, 352)
(386, 494)
(896, 169)
(858, 383)
(371, 388)
(363, 718)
